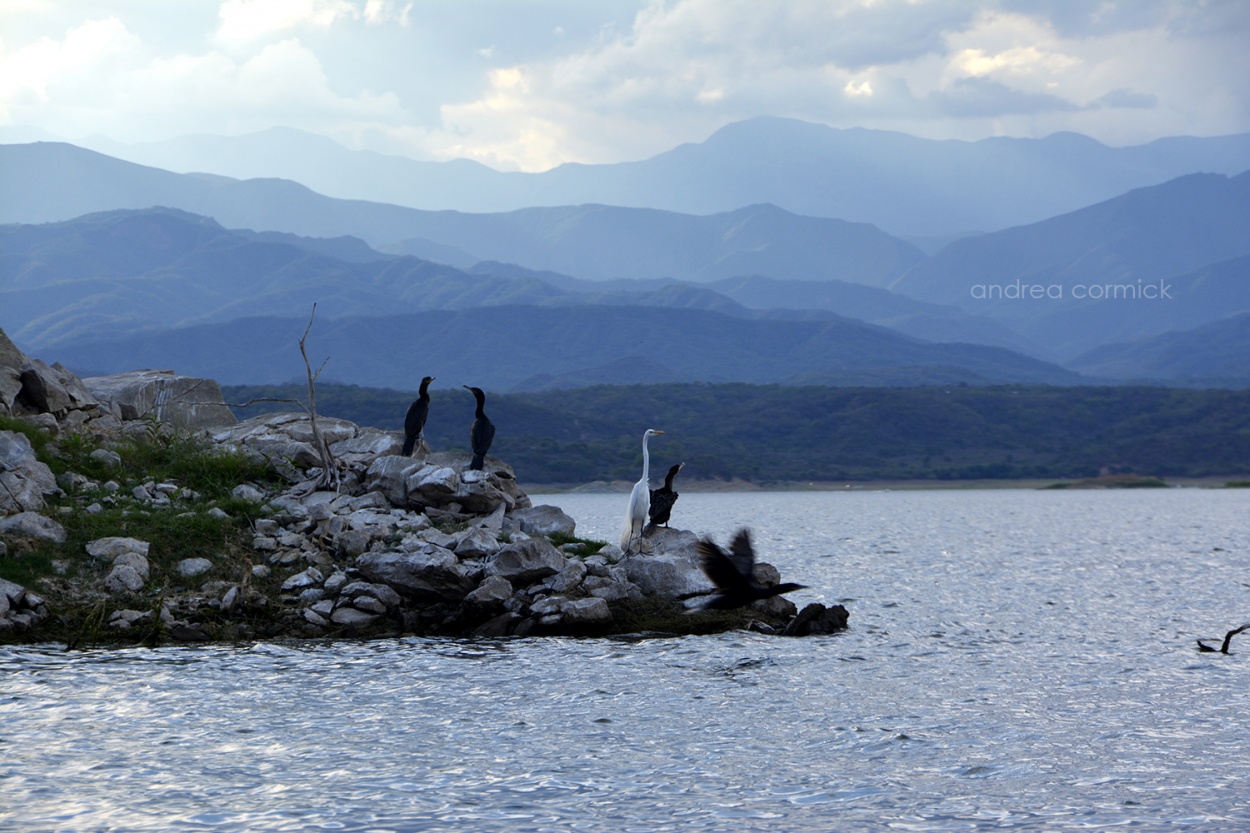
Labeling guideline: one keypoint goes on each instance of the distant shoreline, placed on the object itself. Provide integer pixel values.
(736, 486)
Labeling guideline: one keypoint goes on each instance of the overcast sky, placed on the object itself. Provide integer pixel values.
(528, 85)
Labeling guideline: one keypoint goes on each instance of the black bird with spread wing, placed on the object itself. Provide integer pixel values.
(418, 412)
(662, 500)
(482, 434)
(731, 572)
(1228, 638)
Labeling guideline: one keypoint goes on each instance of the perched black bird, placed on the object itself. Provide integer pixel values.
(731, 572)
(482, 433)
(1228, 637)
(414, 420)
(662, 500)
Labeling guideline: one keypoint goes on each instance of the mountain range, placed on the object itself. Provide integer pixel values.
(807, 289)
(908, 186)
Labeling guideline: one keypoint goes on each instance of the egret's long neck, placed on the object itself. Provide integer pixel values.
(646, 458)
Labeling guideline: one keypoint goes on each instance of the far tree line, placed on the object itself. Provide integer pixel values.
(771, 434)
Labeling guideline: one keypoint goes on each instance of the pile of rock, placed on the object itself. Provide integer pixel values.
(399, 544)
(19, 608)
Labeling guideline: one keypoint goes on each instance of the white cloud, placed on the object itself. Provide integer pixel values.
(245, 20)
(531, 85)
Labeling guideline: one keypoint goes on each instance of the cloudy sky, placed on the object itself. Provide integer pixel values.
(529, 84)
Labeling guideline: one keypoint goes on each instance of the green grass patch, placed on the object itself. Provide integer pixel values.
(589, 546)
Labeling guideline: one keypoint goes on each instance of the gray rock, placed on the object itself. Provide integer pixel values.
(135, 560)
(352, 542)
(609, 589)
(435, 574)
(526, 562)
(33, 525)
(313, 617)
(480, 493)
(476, 544)
(666, 575)
(246, 491)
(311, 595)
(351, 617)
(107, 549)
(369, 605)
(106, 457)
(432, 486)
(368, 444)
(53, 389)
(548, 605)
(590, 611)
(9, 590)
(193, 566)
(567, 579)
(543, 520)
(381, 592)
(308, 578)
(126, 618)
(388, 475)
(184, 402)
(816, 619)
(336, 582)
(124, 578)
(495, 590)
(24, 481)
(11, 362)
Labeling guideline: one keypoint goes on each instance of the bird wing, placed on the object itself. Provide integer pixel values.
(718, 565)
(742, 554)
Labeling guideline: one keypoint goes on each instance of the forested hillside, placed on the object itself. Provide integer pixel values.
(774, 434)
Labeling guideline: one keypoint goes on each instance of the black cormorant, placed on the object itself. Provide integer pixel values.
(482, 433)
(1228, 637)
(414, 420)
(662, 500)
(639, 499)
(731, 572)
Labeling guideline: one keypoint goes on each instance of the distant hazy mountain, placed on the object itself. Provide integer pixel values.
(598, 241)
(49, 182)
(122, 271)
(514, 348)
(1215, 354)
(1166, 257)
(905, 185)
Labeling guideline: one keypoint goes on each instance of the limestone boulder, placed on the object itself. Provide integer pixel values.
(183, 402)
(589, 611)
(108, 549)
(541, 520)
(526, 562)
(432, 485)
(11, 362)
(33, 526)
(389, 475)
(432, 574)
(367, 446)
(51, 389)
(669, 574)
(19, 608)
(492, 592)
(285, 437)
(24, 481)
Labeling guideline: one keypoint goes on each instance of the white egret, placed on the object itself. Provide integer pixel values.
(639, 499)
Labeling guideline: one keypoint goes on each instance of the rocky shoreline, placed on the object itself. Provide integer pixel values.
(401, 545)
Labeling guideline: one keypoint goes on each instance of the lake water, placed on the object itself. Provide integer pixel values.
(1016, 659)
